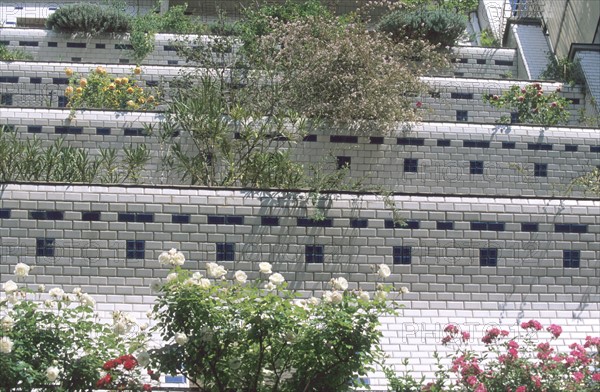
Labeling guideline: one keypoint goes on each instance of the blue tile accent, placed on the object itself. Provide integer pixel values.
(487, 226)
(571, 258)
(443, 142)
(570, 228)
(180, 218)
(402, 255)
(529, 227)
(476, 143)
(66, 130)
(309, 222)
(46, 215)
(4, 213)
(91, 216)
(376, 140)
(225, 251)
(76, 45)
(410, 141)
(571, 147)
(411, 165)
(136, 249)
(343, 162)
(313, 254)
(359, 223)
(343, 139)
(461, 95)
(475, 167)
(44, 247)
(444, 225)
(539, 146)
(509, 145)
(269, 221)
(488, 257)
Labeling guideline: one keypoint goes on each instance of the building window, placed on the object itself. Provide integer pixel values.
(444, 225)
(476, 167)
(571, 258)
(225, 251)
(44, 247)
(540, 170)
(343, 162)
(359, 223)
(402, 254)
(313, 254)
(6, 99)
(462, 115)
(488, 257)
(410, 165)
(136, 249)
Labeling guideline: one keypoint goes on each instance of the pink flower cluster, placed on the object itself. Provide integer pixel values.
(492, 334)
(453, 332)
(532, 324)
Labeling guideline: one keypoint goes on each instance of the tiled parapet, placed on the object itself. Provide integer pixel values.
(34, 84)
(45, 45)
(475, 262)
(432, 157)
(453, 248)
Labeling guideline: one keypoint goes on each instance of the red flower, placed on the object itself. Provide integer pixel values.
(596, 377)
(523, 91)
(521, 98)
(108, 365)
(522, 388)
(553, 104)
(466, 336)
(104, 381)
(129, 364)
(419, 104)
(578, 376)
(555, 330)
(146, 387)
(450, 328)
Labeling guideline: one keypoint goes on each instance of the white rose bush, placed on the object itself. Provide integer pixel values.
(246, 331)
(52, 340)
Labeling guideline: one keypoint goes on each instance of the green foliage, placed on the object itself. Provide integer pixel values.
(488, 39)
(441, 26)
(28, 160)
(590, 182)
(463, 7)
(62, 334)
(533, 106)
(7, 54)
(341, 73)
(563, 70)
(233, 335)
(257, 20)
(89, 18)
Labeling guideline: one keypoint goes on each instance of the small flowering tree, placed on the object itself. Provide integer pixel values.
(229, 334)
(52, 340)
(533, 106)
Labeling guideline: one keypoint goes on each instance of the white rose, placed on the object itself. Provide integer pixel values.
(204, 283)
(7, 323)
(364, 295)
(404, 290)
(334, 297)
(149, 314)
(56, 292)
(270, 286)
(41, 288)
(48, 303)
(197, 275)
(381, 295)
(52, 373)
(301, 303)
(240, 277)
(171, 277)
(265, 267)
(314, 301)
(181, 338)
(214, 270)
(12, 299)
(6, 345)
(339, 283)
(22, 270)
(87, 300)
(143, 358)
(178, 259)
(276, 279)
(10, 287)
(384, 271)
(172, 252)
(164, 258)
(77, 291)
(120, 328)
(143, 326)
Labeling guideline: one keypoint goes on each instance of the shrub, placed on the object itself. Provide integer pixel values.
(257, 21)
(533, 106)
(13, 55)
(563, 70)
(101, 90)
(488, 40)
(438, 26)
(230, 334)
(88, 18)
(344, 74)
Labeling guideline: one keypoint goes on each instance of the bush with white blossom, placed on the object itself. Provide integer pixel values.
(52, 340)
(230, 333)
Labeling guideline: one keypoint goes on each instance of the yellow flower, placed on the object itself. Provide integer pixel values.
(69, 72)
(111, 86)
(100, 70)
(83, 82)
(124, 80)
(137, 70)
(151, 98)
(130, 90)
(69, 90)
(141, 100)
(79, 90)
(118, 81)
(130, 103)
